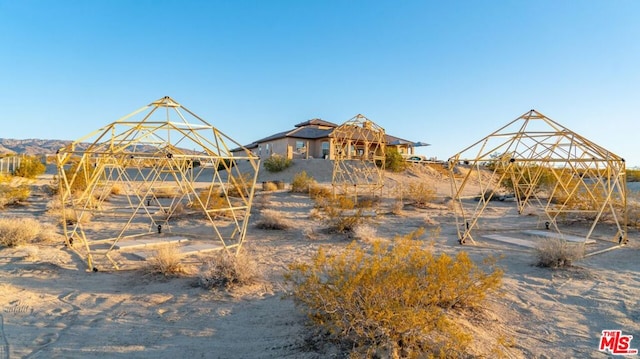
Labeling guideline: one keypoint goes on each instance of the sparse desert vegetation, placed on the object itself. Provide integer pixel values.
(376, 276)
(393, 300)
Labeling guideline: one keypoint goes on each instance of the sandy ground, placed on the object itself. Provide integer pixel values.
(51, 307)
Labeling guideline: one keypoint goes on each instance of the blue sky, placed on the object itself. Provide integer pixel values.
(443, 72)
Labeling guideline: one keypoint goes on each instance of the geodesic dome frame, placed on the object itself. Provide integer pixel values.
(547, 167)
(359, 156)
(149, 170)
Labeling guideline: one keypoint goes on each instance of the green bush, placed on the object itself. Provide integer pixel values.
(30, 167)
(399, 299)
(276, 163)
(393, 160)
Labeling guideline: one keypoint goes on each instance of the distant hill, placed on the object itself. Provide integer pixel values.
(44, 147)
(30, 146)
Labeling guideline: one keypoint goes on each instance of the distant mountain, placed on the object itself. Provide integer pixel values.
(30, 146)
(44, 147)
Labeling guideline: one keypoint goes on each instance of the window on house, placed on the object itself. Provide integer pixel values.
(325, 149)
(299, 146)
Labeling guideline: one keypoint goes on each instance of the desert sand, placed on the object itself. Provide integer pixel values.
(52, 307)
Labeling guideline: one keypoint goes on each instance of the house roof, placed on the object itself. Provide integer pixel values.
(392, 140)
(317, 128)
(316, 122)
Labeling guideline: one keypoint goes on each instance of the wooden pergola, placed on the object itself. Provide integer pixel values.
(146, 171)
(359, 150)
(546, 166)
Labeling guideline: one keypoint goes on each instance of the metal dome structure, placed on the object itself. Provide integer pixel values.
(359, 150)
(152, 172)
(547, 167)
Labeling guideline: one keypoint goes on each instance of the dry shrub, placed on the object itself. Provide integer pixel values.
(318, 192)
(31, 253)
(211, 199)
(225, 271)
(116, 189)
(176, 211)
(18, 231)
(315, 213)
(365, 233)
(302, 182)
(310, 234)
(272, 219)
(240, 186)
(13, 195)
(397, 207)
(5, 178)
(30, 167)
(341, 213)
(263, 201)
(557, 253)
(71, 216)
(166, 261)
(165, 192)
(400, 299)
(49, 234)
(367, 202)
(270, 186)
(633, 210)
(419, 194)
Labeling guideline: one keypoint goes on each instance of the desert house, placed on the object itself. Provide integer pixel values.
(312, 139)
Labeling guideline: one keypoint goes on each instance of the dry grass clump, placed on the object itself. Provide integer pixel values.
(18, 231)
(398, 299)
(225, 271)
(557, 253)
(166, 261)
(272, 219)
